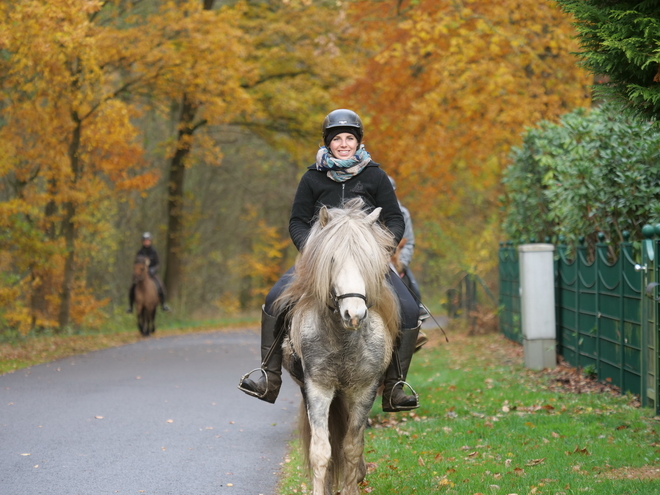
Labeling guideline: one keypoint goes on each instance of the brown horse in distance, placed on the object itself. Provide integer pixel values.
(146, 296)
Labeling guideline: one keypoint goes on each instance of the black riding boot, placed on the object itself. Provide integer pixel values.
(161, 298)
(267, 386)
(131, 299)
(161, 293)
(394, 398)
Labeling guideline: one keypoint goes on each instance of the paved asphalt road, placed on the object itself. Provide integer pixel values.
(159, 417)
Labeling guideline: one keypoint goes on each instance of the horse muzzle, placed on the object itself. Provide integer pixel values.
(352, 312)
(353, 320)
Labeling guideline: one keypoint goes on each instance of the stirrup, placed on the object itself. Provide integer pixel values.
(404, 408)
(252, 392)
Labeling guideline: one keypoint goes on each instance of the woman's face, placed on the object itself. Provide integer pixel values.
(343, 146)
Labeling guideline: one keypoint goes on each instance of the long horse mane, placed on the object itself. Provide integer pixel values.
(347, 234)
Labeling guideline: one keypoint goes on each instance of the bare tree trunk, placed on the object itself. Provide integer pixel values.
(173, 266)
(187, 127)
(38, 303)
(69, 229)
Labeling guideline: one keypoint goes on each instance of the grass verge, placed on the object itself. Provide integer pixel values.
(487, 425)
(19, 351)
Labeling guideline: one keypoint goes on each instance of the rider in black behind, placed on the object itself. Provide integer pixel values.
(343, 170)
(148, 250)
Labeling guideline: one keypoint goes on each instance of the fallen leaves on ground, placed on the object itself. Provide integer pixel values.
(636, 473)
(568, 379)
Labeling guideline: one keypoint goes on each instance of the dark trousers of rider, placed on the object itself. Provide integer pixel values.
(409, 308)
(410, 282)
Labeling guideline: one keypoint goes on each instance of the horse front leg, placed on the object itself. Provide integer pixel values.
(355, 469)
(140, 319)
(318, 402)
(152, 323)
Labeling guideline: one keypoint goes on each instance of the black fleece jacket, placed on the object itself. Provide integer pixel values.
(316, 189)
(150, 253)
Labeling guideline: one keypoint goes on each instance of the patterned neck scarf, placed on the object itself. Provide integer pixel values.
(342, 170)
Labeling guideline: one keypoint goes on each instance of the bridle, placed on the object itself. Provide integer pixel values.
(337, 298)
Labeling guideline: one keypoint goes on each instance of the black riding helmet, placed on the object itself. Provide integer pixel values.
(339, 121)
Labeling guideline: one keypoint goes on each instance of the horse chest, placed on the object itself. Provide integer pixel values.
(343, 357)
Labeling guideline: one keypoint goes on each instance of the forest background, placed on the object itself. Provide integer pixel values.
(194, 119)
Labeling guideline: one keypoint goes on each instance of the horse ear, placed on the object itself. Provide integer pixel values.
(373, 216)
(324, 216)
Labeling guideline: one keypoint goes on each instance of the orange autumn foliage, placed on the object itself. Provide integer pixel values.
(450, 88)
(263, 262)
(69, 147)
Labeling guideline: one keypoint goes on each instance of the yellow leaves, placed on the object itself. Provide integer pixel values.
(444, 482)
(263, 261)
(69, 139)
(461, 82)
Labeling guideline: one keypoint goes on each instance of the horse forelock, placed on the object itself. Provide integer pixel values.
(141, 259)
(348, 235)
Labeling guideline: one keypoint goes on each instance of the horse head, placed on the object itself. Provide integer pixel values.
(140, 268)
(348, 287)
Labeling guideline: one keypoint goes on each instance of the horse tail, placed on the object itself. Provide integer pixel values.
(338, 427)
(305, 432)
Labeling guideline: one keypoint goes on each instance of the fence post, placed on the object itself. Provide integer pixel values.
(650, 390)
(654, 380)
(537, 305)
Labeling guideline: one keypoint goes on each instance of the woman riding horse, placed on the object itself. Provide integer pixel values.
(343, 170)
(148, 251)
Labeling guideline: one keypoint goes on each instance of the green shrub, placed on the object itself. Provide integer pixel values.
(596, 171)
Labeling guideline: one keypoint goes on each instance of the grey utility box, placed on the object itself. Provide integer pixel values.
(537, 305)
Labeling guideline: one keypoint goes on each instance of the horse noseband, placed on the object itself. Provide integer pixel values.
(336, 299)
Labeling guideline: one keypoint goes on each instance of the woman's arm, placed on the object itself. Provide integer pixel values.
(302, 214)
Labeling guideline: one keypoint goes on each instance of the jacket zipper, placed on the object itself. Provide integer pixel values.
(342, 192)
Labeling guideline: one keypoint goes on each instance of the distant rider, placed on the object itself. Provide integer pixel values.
(405, 257)
(148, 250)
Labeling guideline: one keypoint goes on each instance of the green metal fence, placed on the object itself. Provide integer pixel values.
(510, 322)
(606, 310)
(599, 319)
(650, 269)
